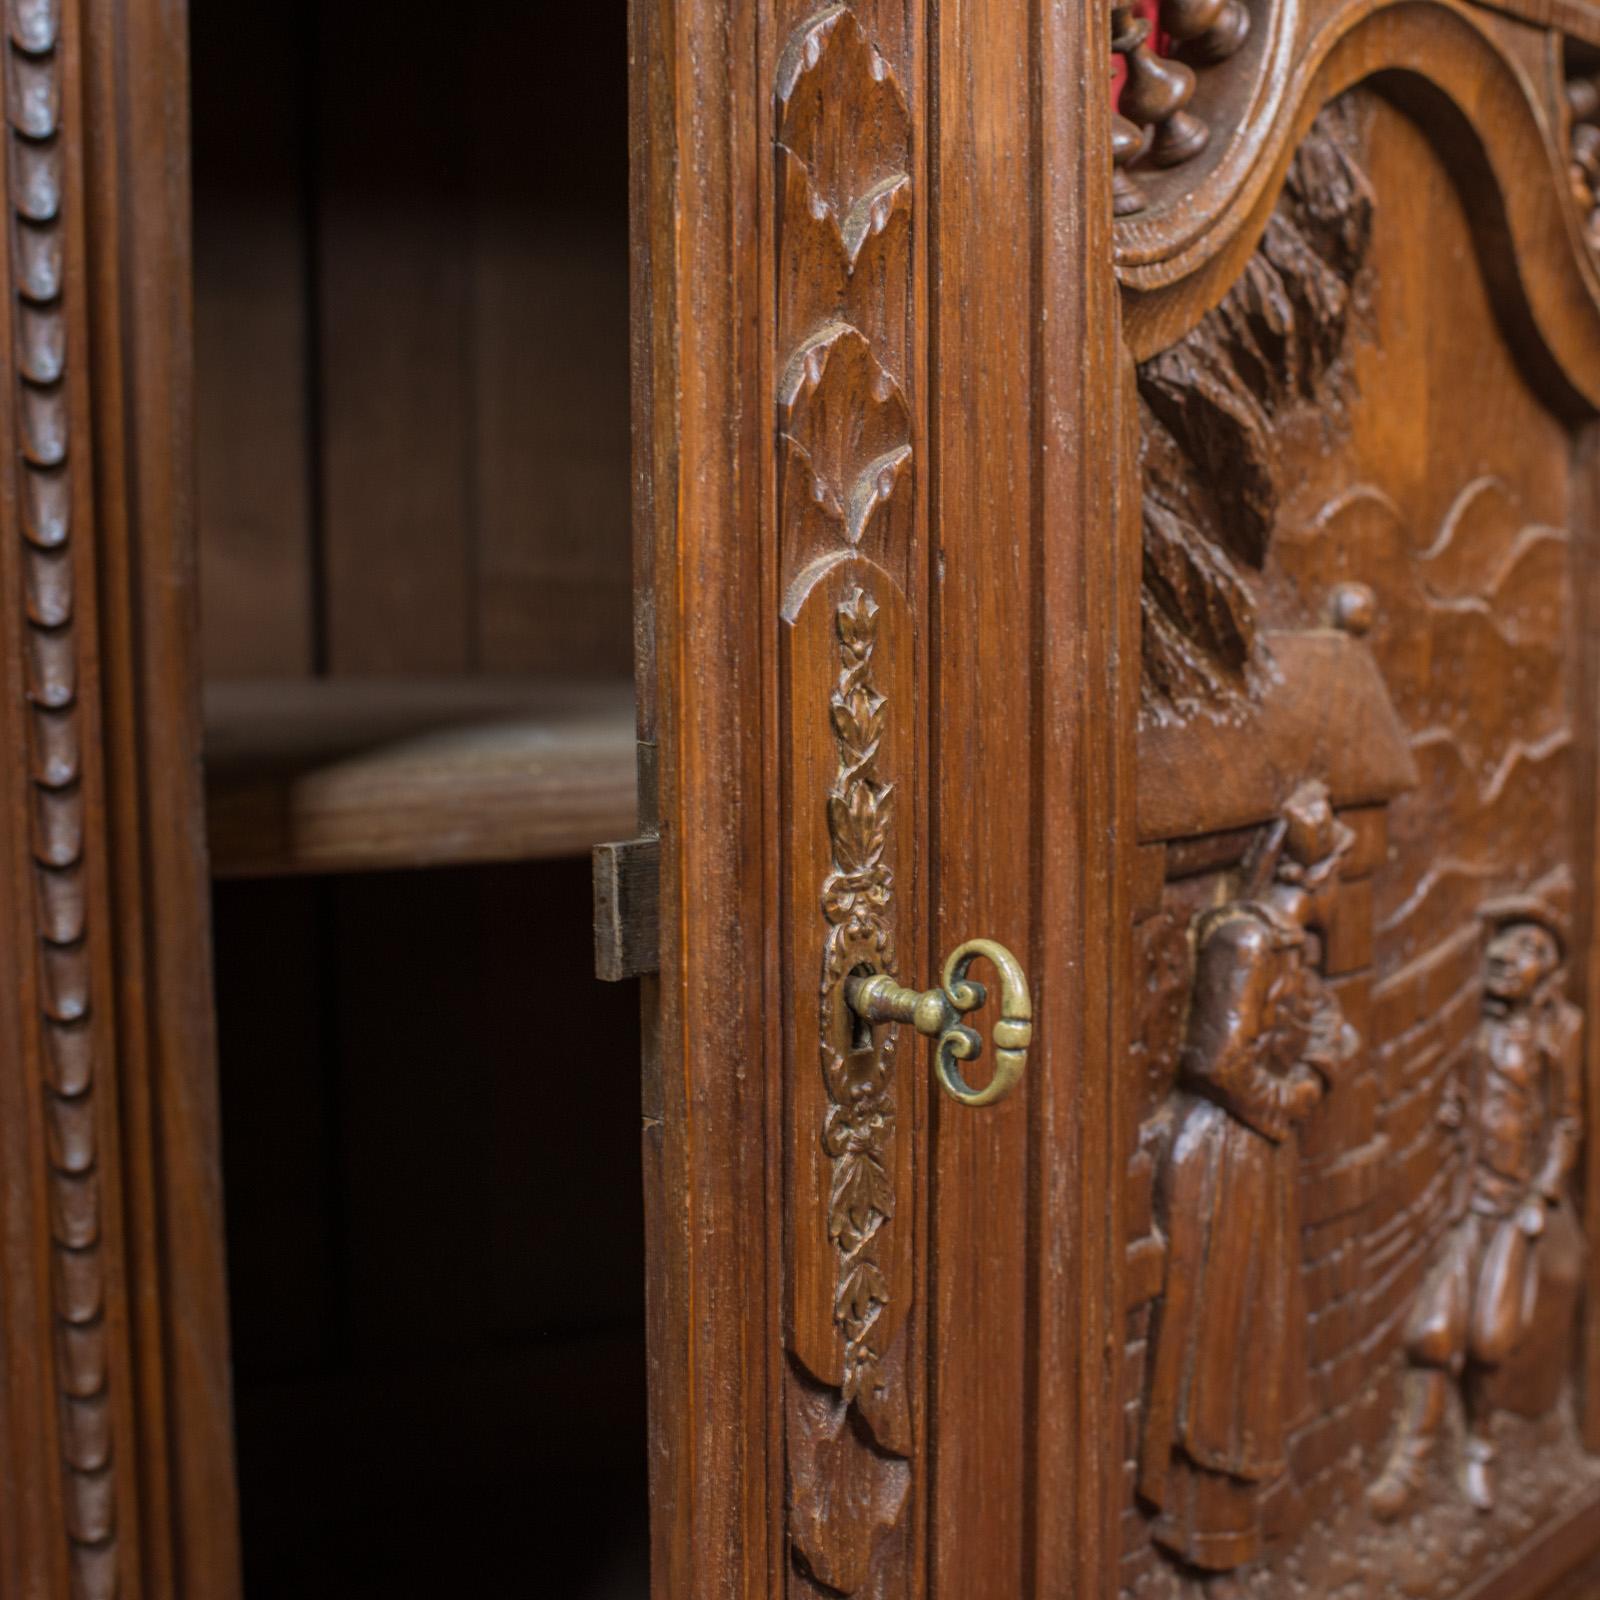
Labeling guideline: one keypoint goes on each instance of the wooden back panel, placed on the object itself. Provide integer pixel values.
(411, 328)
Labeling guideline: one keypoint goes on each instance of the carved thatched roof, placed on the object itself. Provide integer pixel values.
(1322, 711)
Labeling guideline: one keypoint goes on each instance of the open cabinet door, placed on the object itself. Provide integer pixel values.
(1120, 483)
(880, 605)
(115, 1429)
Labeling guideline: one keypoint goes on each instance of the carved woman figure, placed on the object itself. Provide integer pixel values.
(1520, 1108)
(1266, 1039)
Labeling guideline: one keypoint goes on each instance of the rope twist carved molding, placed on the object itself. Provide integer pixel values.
(34, 69)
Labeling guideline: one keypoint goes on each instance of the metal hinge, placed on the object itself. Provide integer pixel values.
(627, 891)
(627, 909)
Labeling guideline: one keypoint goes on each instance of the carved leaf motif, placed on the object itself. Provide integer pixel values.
(858, 718)
(858, 820)
(843, 118)
(847, 420)
(856, 897)
(862, 1290)
(857, 621)
(861, 1192)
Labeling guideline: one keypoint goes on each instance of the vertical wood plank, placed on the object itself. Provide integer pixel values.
(1086, 548)
(394, 225)
(252, 434)
(697, 114)
(550, 340)
(848, 462)
(983, 376)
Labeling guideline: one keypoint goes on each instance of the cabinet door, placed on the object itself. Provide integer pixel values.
(115, 1428)
(880, 606)
(1120, 481)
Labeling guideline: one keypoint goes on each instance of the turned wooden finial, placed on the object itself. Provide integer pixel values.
(1127, 138)
(1126, 143)
(1211, 30)
(1155, 95)
(1583, 171)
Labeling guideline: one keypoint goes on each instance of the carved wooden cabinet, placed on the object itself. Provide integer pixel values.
(1050, 551)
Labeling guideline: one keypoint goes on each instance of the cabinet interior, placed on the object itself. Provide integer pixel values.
(411, 334)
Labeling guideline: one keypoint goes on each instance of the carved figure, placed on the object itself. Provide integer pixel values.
(1266, 1040)
(1508, 1269)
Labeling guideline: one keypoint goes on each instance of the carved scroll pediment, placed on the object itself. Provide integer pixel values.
(1488, 78)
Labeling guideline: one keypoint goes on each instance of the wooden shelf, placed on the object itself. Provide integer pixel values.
(356, 774)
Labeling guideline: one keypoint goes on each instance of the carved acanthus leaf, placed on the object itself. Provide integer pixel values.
(843, 418)
(843, 119)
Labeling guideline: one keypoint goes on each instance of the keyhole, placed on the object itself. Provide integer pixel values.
(860, 1028)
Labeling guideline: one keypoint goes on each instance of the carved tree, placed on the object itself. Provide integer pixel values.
(1211, 407)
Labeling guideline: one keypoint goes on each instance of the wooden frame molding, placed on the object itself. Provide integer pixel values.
(109, 1140)
(50, 486)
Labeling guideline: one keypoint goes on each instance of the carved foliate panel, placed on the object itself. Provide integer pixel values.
(1355, 1099)
(845, 484)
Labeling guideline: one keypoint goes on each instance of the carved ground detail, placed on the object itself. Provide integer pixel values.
(1422, 606)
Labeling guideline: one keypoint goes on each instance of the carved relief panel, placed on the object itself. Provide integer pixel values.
(1356, 1098)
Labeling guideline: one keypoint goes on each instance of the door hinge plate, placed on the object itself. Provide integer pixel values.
(627, 909)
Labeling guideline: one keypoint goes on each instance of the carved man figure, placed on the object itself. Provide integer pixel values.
(1266, 1039)
(1521, 1109)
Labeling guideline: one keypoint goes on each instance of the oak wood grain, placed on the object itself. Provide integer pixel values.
(253, 340)
(709, 1124)
(324, 775)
